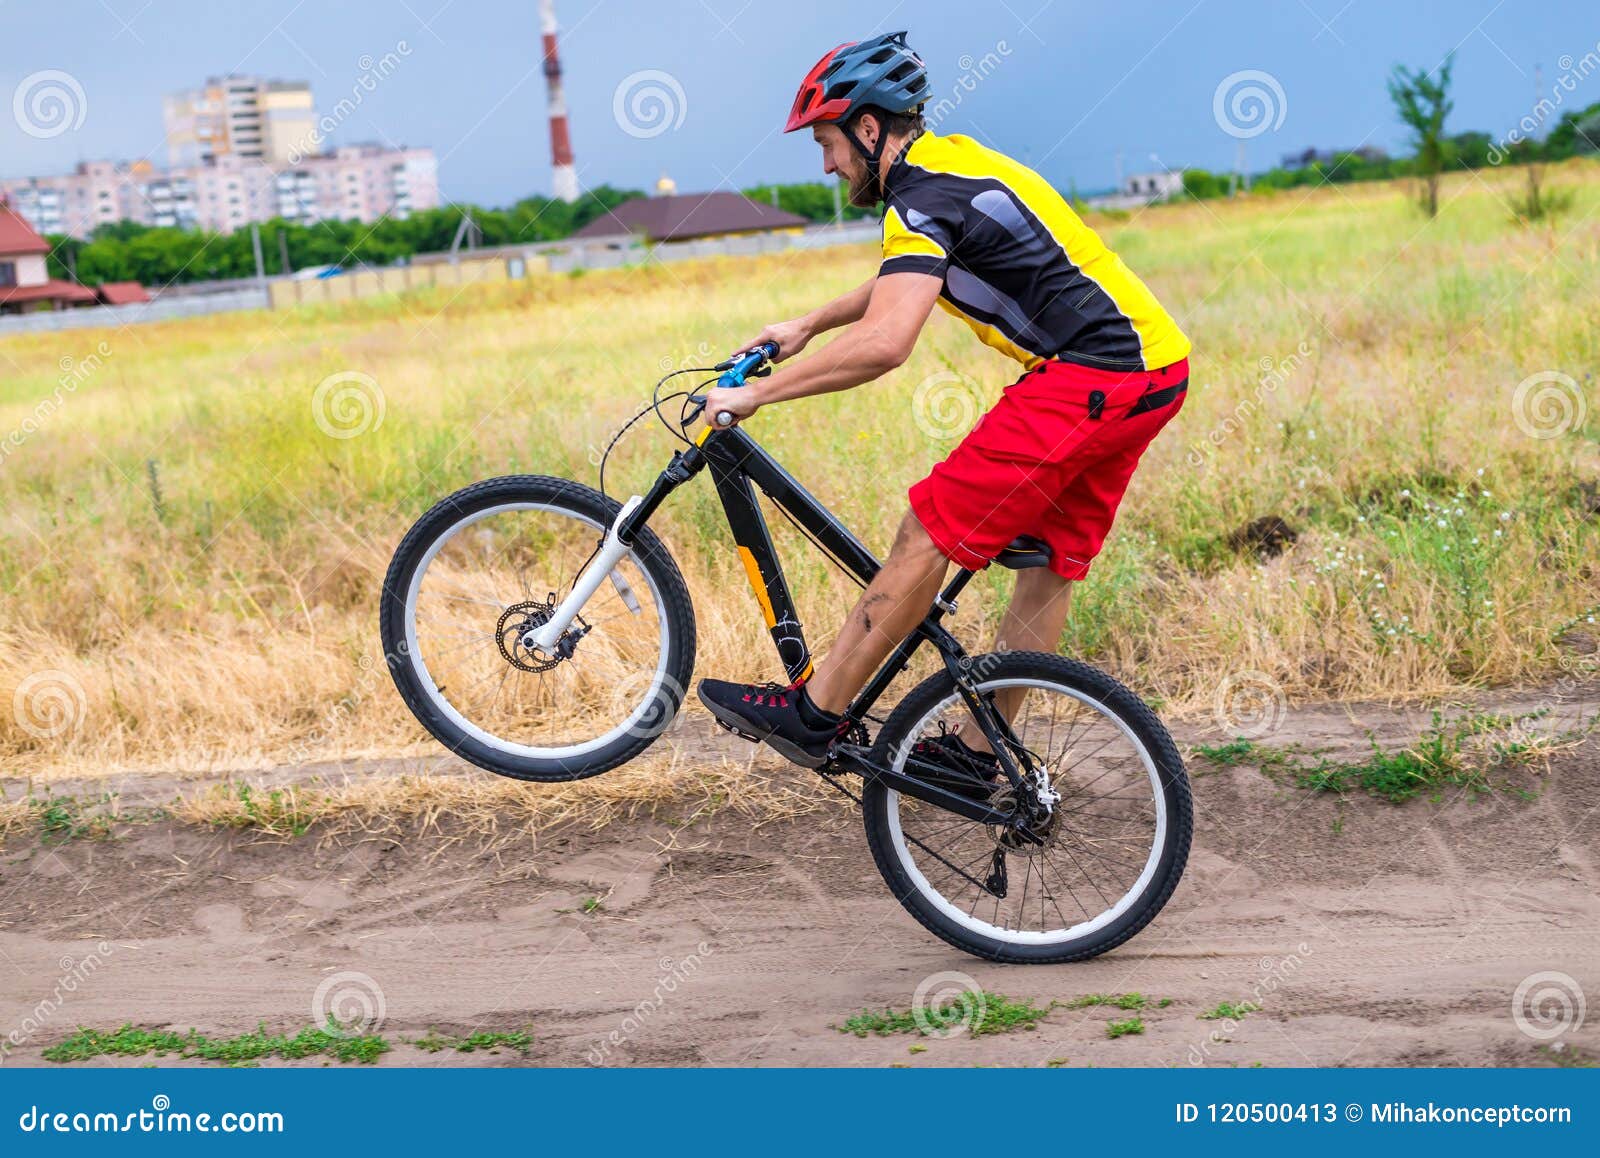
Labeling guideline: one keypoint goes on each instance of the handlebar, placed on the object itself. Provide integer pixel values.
(752, 363)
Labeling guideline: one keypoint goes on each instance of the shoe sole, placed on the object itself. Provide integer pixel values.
(743, 728)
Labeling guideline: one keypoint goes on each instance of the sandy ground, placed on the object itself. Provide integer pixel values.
(1369, 934)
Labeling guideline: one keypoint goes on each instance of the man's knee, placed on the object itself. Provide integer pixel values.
(913, 546)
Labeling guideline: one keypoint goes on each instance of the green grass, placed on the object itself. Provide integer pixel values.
(241, 1050)
(1118, 1000)
(488, 1041)
(1116, 1029)
(1454, 753)
(981, 1013)
(1228, 1011)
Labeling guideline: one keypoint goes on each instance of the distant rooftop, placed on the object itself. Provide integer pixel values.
(688, 215)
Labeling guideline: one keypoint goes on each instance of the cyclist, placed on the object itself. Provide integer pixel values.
(1105, 368)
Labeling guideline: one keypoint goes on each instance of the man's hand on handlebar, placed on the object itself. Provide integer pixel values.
(741, 402)
(791, 337)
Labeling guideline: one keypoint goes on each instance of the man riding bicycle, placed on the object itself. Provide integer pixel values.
(1105, 369)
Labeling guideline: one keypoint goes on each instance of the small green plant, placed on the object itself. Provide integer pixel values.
(1233, 752)
(591, 905)
(1056, 1063)
(980, 1013)
(1118, 1000)
(245, 1049)
(486, 1040)
(1116, 1029)
(1228, 1011)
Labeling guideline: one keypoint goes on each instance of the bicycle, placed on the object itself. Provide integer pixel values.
(1102, 817)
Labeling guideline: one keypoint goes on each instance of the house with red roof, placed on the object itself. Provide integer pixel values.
(25, 282)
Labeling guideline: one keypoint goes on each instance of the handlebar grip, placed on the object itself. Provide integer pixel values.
(724, 418)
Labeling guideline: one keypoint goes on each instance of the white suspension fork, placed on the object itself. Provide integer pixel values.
(604, 563)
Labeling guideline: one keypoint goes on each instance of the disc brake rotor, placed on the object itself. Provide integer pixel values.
(519, 619)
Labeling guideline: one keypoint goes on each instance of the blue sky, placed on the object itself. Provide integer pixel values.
(1064, 87)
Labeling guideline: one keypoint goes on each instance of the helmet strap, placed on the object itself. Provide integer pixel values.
(874, 155)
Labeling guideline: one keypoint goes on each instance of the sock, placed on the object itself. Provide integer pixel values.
(811, 715)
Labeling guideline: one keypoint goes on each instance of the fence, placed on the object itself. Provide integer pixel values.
(115, 317)
(488, 266)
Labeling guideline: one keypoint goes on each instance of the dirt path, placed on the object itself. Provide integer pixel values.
(1370, 934)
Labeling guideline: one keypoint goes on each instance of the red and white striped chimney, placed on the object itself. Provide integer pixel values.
(564, 178)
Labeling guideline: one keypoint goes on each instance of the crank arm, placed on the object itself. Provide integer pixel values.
(603, 564)
(854, 759)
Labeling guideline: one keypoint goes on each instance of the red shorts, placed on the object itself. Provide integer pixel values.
(1048, 461)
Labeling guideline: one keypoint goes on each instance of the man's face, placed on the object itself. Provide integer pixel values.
(840, 159)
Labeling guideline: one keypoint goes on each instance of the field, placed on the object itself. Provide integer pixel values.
(191, 560)
(1381, 502)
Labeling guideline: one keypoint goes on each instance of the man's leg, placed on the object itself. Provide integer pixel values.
(896, 600)
(1033, 622)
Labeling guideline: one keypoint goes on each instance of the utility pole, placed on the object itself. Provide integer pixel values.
(255, 246)
(283, 252)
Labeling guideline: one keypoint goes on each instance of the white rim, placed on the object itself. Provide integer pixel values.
(975, 924)
(446, 708)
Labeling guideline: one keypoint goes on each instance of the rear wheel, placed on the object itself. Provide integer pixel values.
(483, 569)
(1112, 853)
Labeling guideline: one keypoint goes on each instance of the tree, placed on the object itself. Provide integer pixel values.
(1422, 101)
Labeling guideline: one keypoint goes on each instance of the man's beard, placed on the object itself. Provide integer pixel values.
(863, 195)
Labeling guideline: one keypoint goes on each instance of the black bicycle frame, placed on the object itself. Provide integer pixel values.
(738, 466)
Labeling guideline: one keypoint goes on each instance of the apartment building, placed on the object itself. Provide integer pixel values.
(354, 182)
(238, 116)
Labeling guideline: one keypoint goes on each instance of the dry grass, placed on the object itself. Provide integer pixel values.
(219, 613)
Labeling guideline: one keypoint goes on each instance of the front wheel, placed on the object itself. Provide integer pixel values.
(478, 574)
(1111, 853)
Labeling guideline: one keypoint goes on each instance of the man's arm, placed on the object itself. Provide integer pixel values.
(898, 306)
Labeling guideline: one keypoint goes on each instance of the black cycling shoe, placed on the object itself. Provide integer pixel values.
(946, 761)
(768, 714)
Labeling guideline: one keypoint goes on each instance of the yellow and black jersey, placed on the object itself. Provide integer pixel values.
(1019, 266)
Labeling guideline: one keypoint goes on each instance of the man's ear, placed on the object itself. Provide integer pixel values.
(868, 129)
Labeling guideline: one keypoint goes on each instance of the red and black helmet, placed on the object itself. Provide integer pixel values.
(882, 73)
